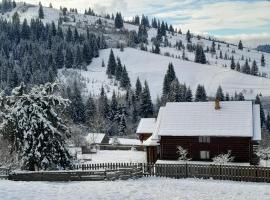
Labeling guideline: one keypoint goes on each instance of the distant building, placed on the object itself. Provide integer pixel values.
(93, 142)
(146, 128)
(205, 130)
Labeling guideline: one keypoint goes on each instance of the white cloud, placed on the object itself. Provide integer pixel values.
(251, 40)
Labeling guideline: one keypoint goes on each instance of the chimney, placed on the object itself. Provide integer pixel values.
(217, 104)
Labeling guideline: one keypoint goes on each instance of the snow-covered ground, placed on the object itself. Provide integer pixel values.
(145, 188)
(106, 156)
(152, 67)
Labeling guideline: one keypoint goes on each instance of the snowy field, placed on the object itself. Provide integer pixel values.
(115, 156)
(145, 188)
(152, 67)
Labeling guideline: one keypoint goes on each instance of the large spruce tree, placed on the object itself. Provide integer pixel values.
(32, 123)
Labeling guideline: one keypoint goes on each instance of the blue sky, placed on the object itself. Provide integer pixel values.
(232, 20)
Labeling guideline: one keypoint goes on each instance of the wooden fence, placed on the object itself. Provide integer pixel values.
(4, 172)
(113, 171)
(218, 172)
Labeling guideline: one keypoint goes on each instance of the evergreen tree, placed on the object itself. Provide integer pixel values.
(87, 54)
(262, 114)
(233, 66)
(146, 105)
(168, 79)
(156, 50)
(59, 58)
(262, 61)
(238, 68)
(200, 94)
(33, 125)
(240, 45)
(199, 55)
(189, 96)
(90, 110)
(220, 94)
(118, 21)
(254, 69)
(78, 58)
(111, 65)
(69, 59)
(125, 81)
(174, 94)
(119, 70)
(77, 108)
(213, 48)
(142, 34)
(138, 89)
(246, 68)
(40, 11)
(103, 105)
(69, 36)
(188, 36)
(122, 125)
(25, 32)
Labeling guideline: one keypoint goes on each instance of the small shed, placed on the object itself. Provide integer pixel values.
(146, 128)
(93, 142)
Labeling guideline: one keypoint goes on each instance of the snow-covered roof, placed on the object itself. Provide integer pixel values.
(95, 138)
(234, 119)
(154, 139)
(146, 125)
(257, 133)
(125, 141)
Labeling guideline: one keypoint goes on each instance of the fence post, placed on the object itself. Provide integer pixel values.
(186, 170)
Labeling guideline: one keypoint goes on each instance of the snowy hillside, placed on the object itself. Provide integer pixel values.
(152, 67)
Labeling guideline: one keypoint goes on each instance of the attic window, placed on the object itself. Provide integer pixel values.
(204, 139)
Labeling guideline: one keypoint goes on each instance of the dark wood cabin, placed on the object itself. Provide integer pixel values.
(206, 130)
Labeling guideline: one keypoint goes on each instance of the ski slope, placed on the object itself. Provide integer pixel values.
(152, 67)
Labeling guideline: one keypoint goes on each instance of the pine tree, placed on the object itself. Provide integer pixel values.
(90, 110)
(125, 81)
(262, 61)
(189, 96)
(213, 48)
(25, 31)
(168, 79)
(69, 36)
(240, 45)
(146, 105)
(199, 55)
(138, 89)
(200, 94)
(174, 94)
(262, 114)
(103, 105)
(118, 21)
(40, 11)
(188, 36)
(77, 108)
(142, 34)
(87, 54)
(220, 94)
(238, 68)
(33, 125)
(69, 59)
(78, 58)
(254, 69)
(118, 70)
(227, 97)
(59, 58)
(122, 125)
(111, 65)
(113, 108)
(233, 66)
(246, 68)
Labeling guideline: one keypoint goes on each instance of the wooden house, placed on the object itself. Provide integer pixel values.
(146, 128)
(93, 142)
(205, 130)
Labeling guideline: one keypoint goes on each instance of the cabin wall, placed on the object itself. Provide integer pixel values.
(240, 147)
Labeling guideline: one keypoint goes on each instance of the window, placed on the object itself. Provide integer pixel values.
(204, 139)
(204, 155)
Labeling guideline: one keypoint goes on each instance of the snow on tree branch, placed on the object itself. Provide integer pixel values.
(182, 153)
(32, 124)
(223, 159)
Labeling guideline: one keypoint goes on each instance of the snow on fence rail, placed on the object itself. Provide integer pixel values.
(114, 171)
(4, 172)
(219, 172)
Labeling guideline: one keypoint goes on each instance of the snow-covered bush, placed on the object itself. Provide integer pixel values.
(32, 125)
(182, 153)
(115, 141)
(264, 153)
(223, 159)
(133, 148)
